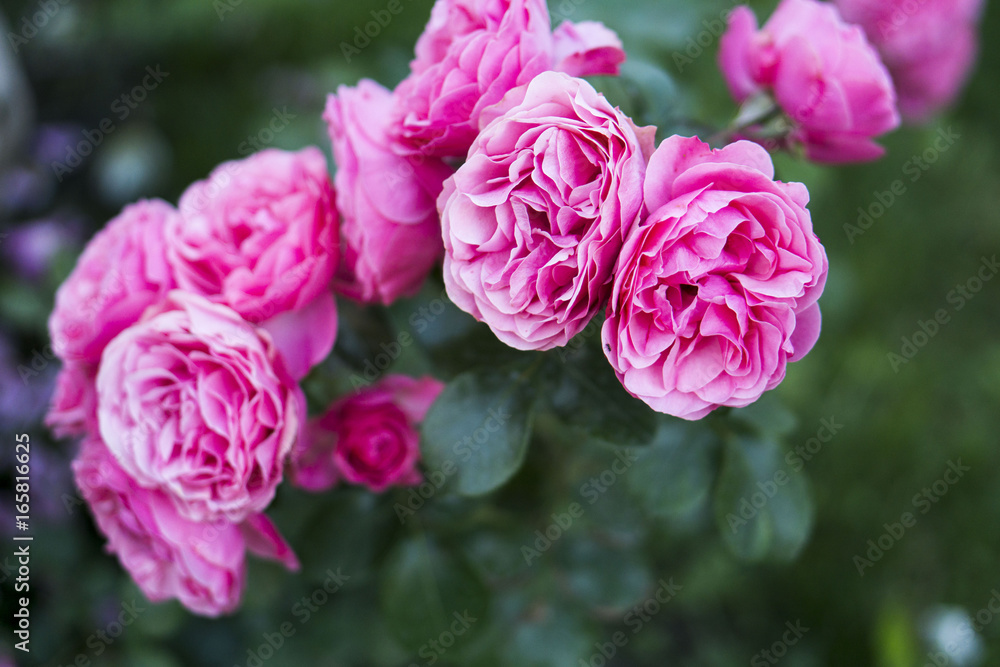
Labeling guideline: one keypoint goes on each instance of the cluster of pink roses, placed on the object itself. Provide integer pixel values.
(184, 331)
(183, 334)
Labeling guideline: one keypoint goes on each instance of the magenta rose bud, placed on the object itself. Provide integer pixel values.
(260, 235)
(195, 401)
(823, 73)
(121, 272)
(73, 410)
(929, 47)
(390, 233)
(368, 438)
(534, 220)
(200, 564)
(717, 289)
(471, 54)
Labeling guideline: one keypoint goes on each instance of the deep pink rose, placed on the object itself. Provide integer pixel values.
(202, 565)
(197, 402)
(929, 47)
(473, 52)
(534, 220)
(260, 236)
(717, 290)
(587, 48)
(391, 236)
(369, 437)
(74, 402)
(823, 74)
(121, 272)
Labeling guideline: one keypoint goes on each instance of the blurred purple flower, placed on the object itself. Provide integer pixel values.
(53, 142)
(25, 189)
(30, 248)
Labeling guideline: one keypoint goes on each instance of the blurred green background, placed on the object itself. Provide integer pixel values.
(230, 68)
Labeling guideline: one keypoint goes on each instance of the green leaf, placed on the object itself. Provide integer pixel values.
(605, 576)
(768, 415)
(674, 474)
(590, 398)
(426, 589)
(479, 428)
(762, 508)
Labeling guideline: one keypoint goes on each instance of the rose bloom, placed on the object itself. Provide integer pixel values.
(369, 437)
(717, 290)
(391, 236)
(929, 47)
(195, 401)
(202, 565)
(473, 52)
(122, 271)
(534, 220)
(260, 236)
(823, 74)
(73, 410)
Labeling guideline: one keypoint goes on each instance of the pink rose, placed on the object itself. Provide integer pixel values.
(391, 236)
(587, 48)
(200, 564)
(260, 236)
(490, 53)
(534, 220)
(717, 289)
(473, 52)
(929, 47)
(823, 74)
(74, 403)
(369, 437)
(121, 272)
(195, 401)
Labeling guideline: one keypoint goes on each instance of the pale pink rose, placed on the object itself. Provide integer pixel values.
(73, 410)
(369, 437)
(717, 289)
(201, 564)
(929, 47)
(260, 236)
(493, 47)
(121, 272)
(473, 52)
(587, 48)
(197, 402)
(533, 222)
(390, 233)
(823, 73)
